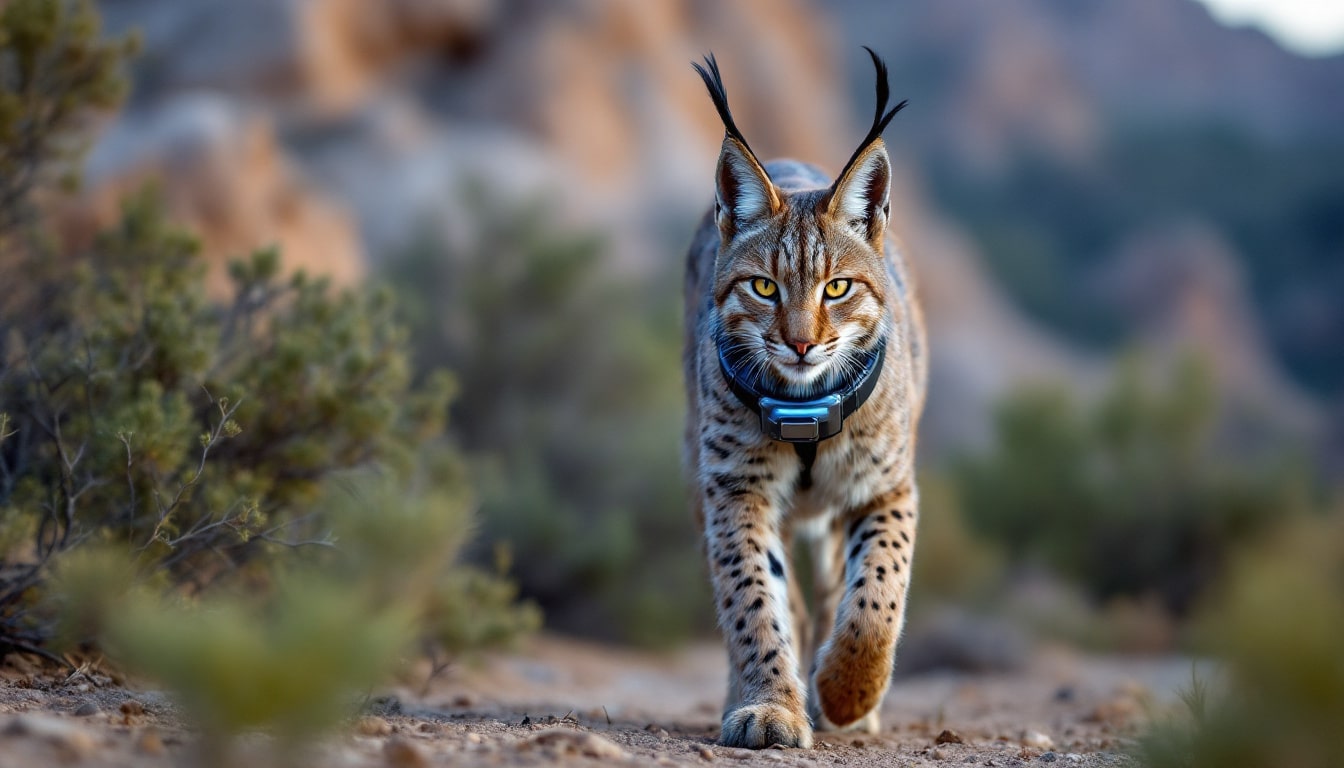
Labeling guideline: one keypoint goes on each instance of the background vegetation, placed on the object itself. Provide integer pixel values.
(570, 410)
(248, 500)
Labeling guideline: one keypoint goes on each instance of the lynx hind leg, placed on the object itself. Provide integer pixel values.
(854, 666)
(826, 548)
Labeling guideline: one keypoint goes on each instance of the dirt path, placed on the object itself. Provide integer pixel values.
(564, 702)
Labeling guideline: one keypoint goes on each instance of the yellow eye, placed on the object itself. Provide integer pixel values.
(837, 288)
(763, 287)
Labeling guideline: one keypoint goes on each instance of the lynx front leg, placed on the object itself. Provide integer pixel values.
(854, 666)
(747, 563)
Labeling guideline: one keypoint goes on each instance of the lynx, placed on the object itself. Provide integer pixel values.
(805, 373)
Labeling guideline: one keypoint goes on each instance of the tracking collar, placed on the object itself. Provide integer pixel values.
(806, 421)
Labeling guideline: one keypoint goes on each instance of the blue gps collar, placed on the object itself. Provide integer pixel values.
(812, 420)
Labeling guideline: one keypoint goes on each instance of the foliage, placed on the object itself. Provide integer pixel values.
(570, 407)
(193, 435)
(951, 564)
(1138, 472)
(152, 444)
(54, 70)
(1276, 626)
(294, 658)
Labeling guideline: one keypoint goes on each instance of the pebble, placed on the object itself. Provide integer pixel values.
(705, 753)
(66, 736)
(939, 754)
(372, 725)
(1037, 740)
(473, 738)
(581, 742)
(402, 753)
(150, 743)
(131, 707)
(949, 736)
(1049, 757)
(87, 709)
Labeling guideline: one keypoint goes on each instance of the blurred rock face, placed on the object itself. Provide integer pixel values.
(224, 174)
(345, 130)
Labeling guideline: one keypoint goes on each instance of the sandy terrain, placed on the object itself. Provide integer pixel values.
(561, 701)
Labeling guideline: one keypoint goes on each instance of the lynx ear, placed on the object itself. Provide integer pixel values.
(743, 192)
(861, 197)
(861, 194)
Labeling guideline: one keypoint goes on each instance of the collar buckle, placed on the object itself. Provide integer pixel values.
(806, 421)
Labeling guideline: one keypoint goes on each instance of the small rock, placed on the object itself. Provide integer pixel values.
(1065, 693)
(87, 709)
(1049, 757)
(949, 736)
(580, 742)
(473, 738)
(1074, 757)
(372, 725)
(1037, 740)
(462, 700)
(65, 735)
(149, 743)
(939, 753)
(401, 753)
(384, 705)
(705, 753)
(132, 707)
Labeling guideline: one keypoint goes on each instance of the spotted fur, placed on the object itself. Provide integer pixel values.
(787, 222)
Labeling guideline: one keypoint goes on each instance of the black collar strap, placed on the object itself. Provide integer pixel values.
(806, 421)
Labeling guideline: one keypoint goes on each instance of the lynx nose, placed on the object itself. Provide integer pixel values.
(802, 347)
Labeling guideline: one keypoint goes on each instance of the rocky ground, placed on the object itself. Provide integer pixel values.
(571, 703)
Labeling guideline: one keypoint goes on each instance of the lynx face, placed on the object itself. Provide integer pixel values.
(800, 295)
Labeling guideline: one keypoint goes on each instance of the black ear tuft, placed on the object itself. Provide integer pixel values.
(714, 82)
(881, 116)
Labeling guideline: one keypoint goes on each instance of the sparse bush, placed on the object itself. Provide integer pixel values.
(193, 444)
(570, 409)
(1138, 473)
(195, 436)
(1276, 626)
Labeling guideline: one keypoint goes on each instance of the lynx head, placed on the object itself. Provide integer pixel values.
(800, 280)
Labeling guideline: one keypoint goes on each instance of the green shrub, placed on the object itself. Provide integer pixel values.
(193, 435)
(1138, 473)
(54, 70)
(1276, 626)
(570, 408)
(293, 658)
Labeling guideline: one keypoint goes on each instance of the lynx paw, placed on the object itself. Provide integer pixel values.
(756, 726)
(869, 723)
